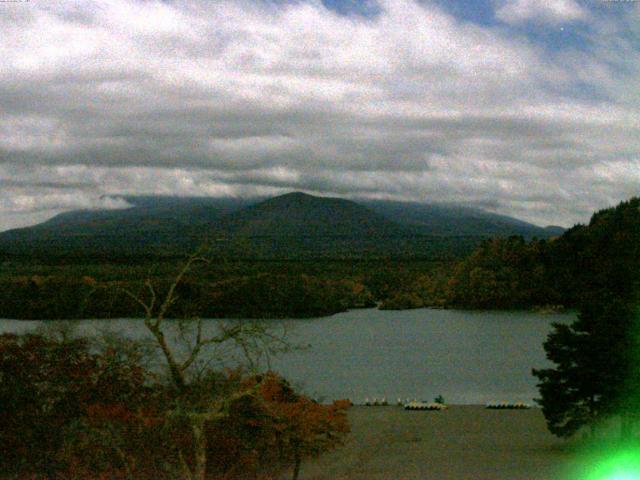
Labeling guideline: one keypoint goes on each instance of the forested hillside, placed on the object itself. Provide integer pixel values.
(511, 273)
(294, 226)
(501, 273)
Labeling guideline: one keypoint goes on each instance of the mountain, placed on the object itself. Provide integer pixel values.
(293, 225)
(151, 226)
(554, 231)
(448, 219)
(302, 215)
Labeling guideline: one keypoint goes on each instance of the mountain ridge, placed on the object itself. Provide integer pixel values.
(297, 224)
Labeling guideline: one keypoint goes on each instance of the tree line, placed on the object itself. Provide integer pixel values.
(501, 273)
(222, 289)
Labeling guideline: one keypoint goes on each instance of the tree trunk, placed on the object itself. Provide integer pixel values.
(199, 449)
(184, 466)
(296, 466)
(177, 375)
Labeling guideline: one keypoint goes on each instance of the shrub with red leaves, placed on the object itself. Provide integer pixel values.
(273, 429)
(71, 413)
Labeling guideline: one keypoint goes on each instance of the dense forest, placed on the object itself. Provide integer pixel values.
(512, 273)
(500, 273)
(218, 288)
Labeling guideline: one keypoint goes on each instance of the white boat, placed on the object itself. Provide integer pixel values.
(415, 405)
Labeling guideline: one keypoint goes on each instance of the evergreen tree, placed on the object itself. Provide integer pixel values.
(597, 357)
(593, 368)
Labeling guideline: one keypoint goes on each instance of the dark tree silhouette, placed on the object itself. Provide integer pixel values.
(596, 373)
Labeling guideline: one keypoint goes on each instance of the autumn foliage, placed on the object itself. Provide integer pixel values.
(68, 411)
(272, 430)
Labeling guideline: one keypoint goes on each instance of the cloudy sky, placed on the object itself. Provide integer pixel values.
(525, 107)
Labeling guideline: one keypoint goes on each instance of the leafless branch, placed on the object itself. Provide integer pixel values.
(147, 308)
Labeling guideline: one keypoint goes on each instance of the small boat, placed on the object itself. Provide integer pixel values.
(414, 405)
(508, 406)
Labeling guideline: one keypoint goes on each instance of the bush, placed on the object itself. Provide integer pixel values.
(71, 412)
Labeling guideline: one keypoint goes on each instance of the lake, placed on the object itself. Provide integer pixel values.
(468, 357)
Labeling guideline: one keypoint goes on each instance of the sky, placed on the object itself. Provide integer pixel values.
(529, 108)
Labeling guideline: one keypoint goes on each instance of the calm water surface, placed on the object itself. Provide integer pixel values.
(466, 356)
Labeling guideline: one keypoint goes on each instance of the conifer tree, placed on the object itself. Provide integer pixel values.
(597, 358)
(593, 368)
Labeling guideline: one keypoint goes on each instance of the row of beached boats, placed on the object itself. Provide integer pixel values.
(508, 406)
(419, 405)
(406, 404)
(425, 406)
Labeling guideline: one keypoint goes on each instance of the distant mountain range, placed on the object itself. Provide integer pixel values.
(293, 225)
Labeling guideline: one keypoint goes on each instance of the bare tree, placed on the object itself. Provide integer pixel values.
(252, 339)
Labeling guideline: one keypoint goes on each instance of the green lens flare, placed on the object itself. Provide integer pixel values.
(616, 465)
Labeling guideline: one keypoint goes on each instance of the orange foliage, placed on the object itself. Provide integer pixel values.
(273, 428)
(75, 414)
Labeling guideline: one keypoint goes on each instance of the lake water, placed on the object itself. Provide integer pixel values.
(467, 357)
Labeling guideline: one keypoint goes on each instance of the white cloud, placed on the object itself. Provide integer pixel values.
(240, 97)
(542, 11)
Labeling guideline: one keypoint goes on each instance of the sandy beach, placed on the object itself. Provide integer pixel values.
(463, 443)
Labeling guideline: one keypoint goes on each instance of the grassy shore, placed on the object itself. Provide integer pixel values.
(463, 443)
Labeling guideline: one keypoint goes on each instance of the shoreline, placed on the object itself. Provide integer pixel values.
(530, 310)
